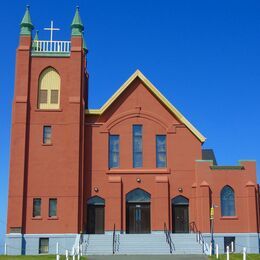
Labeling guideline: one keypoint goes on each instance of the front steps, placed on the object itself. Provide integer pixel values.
(100, 244)
(140, 244)
(186, 244)
(143, 244)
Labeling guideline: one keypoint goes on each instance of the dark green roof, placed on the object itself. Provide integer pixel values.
(216, 167)
(77, 25)
(26, 23)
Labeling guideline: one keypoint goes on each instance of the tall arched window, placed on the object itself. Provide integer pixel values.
(49, 89)
(227, 201)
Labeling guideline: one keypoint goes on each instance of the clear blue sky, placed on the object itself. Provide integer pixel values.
(204, 56)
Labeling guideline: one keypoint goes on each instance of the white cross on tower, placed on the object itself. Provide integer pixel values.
(51, 29)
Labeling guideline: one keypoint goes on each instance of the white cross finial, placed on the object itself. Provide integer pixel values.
(51, 29)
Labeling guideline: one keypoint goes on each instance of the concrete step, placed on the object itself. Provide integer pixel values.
(141, 244)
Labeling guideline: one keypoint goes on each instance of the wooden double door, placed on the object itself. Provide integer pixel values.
(138, 219)
(180, 218)
(96, 219)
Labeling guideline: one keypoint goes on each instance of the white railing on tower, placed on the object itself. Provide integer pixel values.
(51, 46)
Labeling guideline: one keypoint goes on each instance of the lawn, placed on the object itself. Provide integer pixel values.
(41, 257)
(237, 257)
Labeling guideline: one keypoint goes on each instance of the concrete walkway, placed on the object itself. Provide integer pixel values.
(149, 257)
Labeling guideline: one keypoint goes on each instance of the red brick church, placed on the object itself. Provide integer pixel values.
(132, 171)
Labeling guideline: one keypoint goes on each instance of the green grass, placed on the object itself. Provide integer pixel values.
(236, 257)
(41, 257)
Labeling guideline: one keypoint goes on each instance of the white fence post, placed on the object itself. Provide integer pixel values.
(227, 252)
(81, 250)
(210, 249)
(5, 249)
(57, 248)
(232, 247)
(67, 254)
(57, 257)
(244, 253)
(217, 251)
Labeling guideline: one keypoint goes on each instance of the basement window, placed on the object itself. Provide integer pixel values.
(44, 246)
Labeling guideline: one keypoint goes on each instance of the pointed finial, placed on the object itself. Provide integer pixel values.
(77, 26)
(36, 36)
(26, 24)
(35, 39)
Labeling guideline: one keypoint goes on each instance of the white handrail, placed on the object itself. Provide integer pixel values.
(51, 46)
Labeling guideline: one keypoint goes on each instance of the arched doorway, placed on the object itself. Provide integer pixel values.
(180, 215)
(138, 220)
(95, 215)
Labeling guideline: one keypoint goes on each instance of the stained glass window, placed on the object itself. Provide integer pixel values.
(113, 151)
(137, 146)
(227, 201)
(160, 151)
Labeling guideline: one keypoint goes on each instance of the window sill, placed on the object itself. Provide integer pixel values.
(139, 171)
(229, 218)
(48, 110)
(47, 144)
(53, 218)
(36, 218)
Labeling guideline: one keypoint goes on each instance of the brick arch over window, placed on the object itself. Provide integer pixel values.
(49, 89)
(133, 114)
(227, 196)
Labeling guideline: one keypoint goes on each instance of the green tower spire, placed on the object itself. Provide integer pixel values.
(26, 24)
(36, 36)
(85, 46)
(35, 39)
(77, 26)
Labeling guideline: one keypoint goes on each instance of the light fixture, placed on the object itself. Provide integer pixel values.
(138, 180)
(96, 189)
(180, 189)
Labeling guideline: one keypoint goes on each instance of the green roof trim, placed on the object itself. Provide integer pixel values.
(26, 23)
(217, 167)
(77, 25)
(50, 54)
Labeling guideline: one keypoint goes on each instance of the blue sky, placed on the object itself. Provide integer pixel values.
(204, 56)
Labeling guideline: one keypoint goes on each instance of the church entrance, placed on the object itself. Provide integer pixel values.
(138, 219)
(95, 215)
(180, 215)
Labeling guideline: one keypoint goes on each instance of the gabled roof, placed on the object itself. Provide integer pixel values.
(157, 94)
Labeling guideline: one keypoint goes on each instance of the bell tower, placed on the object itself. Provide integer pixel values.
(47, 143)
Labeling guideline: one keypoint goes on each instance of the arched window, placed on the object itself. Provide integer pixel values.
(138, 195)
(227, 196)
(49, 89)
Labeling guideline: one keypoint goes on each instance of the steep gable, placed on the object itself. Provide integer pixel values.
(157, 94)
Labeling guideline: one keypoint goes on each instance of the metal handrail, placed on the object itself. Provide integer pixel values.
(200, 239)
(114, 239)
(169, 238)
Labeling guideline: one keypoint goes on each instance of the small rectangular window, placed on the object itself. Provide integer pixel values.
(52, 207)
(137, 146)
(37, 207)
(44, 246)
(54, 96)
(227, 242)
(160, 151)
(113, 151)
(43, 96)
(47, 134)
